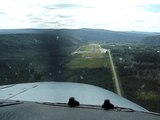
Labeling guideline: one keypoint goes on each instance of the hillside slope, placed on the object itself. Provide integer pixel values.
(90, 35)
(100, 35)
(29, 57)
(152, 40)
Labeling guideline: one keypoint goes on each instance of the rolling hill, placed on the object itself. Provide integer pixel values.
(27, 57)
(152, 40)
(100, 35)
(90, 35)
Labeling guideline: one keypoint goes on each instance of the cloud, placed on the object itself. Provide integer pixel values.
(140, 15)
(2, 13)
(152, 8)
(65, 16)
(63, 6)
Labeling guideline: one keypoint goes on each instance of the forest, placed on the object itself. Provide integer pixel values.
(138, 68)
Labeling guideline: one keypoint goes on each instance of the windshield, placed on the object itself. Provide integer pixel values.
(111, 44)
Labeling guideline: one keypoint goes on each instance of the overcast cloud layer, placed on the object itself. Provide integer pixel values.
(119, 15)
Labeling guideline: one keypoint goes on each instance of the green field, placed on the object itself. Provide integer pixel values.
(87, 58)
(89, 65)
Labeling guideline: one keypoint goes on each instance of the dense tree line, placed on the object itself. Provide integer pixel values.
(139, 71)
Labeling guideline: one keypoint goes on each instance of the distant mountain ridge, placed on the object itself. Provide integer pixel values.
(108, 36)
(152, 40)
(94, 35)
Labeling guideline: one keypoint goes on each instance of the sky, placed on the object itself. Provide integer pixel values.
(117, 15)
